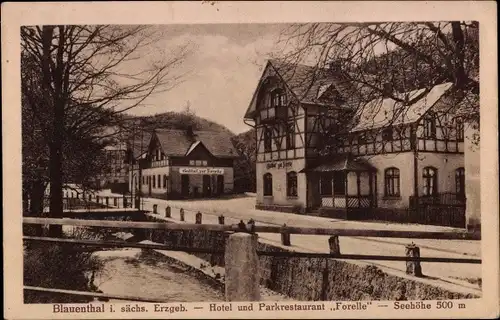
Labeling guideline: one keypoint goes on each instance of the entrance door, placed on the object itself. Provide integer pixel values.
(220, 184)
(185, 185)
(207, 191)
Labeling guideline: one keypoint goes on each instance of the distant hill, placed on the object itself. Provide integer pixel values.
(174, 120)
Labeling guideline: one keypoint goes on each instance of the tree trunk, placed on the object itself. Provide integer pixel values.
(36, 197)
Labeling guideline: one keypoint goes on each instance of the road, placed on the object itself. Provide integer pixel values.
(450, 275)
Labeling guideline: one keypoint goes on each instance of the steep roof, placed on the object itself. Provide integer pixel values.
(179, 142)
(139, 147)
(307, 84)
(379, 113)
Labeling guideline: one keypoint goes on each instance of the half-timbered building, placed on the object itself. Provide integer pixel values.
(185, 164)
(387, 158)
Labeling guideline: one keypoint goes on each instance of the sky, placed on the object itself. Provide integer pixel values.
(224, 65)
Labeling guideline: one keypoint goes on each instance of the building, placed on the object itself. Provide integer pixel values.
(185, 164)
(115, 176)
(385, 158)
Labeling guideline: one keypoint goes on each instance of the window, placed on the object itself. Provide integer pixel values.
(165, 179)
(460, 129)
(387, 134)
(429, 127)
(268, 184)
(291, 184)
(392, 182)
(460, 182)
(362, 138)
(154, 181)
(159, 181)
(430, 181)
(339, 183)
(205, 163)
(268, 134)
(326, 185)
(278, 98)
(290, 135)
(191, 162)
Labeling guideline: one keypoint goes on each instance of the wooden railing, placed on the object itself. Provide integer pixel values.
(412, 256)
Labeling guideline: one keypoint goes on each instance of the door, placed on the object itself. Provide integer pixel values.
(185, 185)
(207, 190)
(220, 184)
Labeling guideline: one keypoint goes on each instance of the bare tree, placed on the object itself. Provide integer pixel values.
(89, 75)
(391, 60)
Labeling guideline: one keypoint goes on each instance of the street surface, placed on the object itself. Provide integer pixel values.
(454, 276)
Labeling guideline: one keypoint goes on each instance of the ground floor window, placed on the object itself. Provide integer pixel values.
(291, 183)
(430, 181)
(165, 179)
(268, 184)
(339, 187)
(154, 181)
(159, 181)
(392, 182)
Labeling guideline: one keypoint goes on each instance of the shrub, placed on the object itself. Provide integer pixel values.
(58, 267)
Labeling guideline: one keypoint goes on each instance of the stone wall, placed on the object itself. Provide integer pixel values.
(311, 279)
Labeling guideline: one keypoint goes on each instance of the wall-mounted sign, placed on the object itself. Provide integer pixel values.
(210, 171)
(279, 164)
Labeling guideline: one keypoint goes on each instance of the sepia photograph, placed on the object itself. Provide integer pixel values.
(252, 167)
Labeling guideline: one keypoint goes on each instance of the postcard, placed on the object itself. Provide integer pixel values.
(226, 159)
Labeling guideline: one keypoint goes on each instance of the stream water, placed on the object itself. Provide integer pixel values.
(142, 274)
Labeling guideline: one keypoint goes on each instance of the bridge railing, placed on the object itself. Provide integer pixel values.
(243, 240)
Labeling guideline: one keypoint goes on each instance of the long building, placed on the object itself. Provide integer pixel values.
(179, 164)
(385, 158)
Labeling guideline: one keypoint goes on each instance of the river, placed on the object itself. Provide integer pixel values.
(137, 273)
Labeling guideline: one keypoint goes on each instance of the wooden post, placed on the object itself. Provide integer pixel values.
(198, 218)
(181, 213)
(155, 208)
(285, 237)
(334, 245)
(168, 212)
(241, 268)
(413, 267)
(221, 219)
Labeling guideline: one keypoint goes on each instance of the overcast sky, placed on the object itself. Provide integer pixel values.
(224, 68)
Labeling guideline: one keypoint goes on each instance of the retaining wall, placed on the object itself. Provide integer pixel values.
(312, 279)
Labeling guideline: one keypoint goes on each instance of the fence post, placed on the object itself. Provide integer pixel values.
(181, 213)
(241, 268)
(155, 208)
(334, 245)
(221, 219)
(413, 267)
(198, 218)
(285, 236)
(168, 213)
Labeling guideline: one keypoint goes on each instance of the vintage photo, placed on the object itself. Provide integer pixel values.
(251, 167)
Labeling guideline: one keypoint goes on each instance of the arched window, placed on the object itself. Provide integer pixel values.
(165, 179)
(391, 177)
(268, 184)
(460, 182)
(430, 181)
(291, 184)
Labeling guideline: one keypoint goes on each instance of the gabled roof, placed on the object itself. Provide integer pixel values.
(379, 113)
(179, 142)
(139, 144)
(306, 83)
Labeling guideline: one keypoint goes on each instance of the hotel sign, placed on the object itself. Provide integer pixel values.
(279, 164)
(209, 171)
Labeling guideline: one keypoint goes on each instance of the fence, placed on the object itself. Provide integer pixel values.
(444, 209)
(241, 249)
